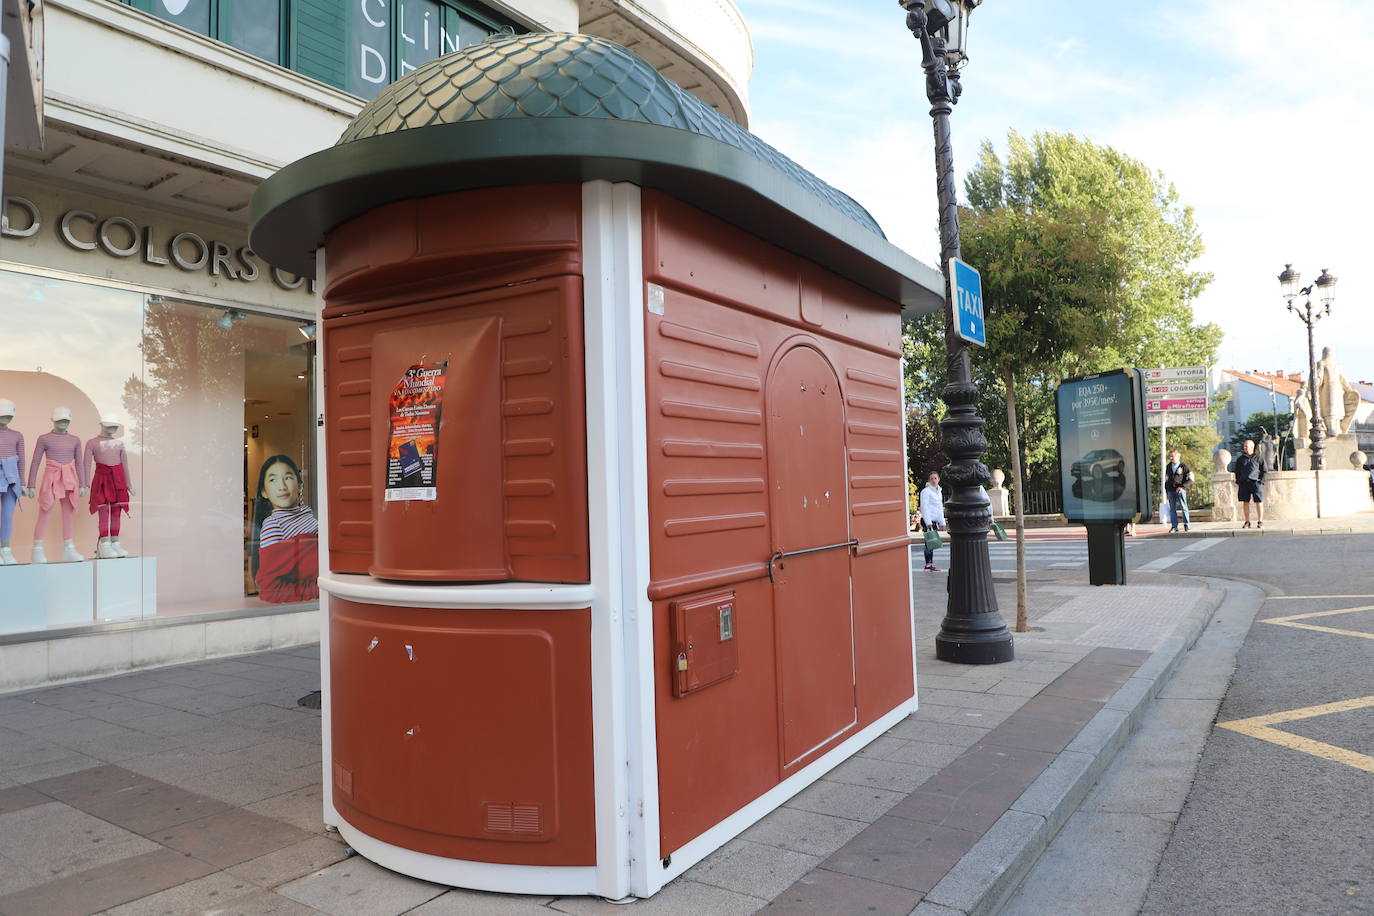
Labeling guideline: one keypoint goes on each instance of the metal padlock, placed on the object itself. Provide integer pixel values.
(682, 661)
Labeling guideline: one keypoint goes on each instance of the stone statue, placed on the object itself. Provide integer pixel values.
(1336, 397)
(1268, 452)
(1221, 458)
(999, 499)
(1337, 400)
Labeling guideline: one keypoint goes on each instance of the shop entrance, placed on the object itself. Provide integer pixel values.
(811, 576)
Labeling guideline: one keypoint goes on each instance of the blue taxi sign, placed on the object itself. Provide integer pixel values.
(967, 289)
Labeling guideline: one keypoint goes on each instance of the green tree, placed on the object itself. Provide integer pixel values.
(1086, 257)
(1257, 425)
(1195, 445)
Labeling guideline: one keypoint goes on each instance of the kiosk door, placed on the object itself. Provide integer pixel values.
(810, 566)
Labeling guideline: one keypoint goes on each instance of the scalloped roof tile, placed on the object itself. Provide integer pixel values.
(556, 74)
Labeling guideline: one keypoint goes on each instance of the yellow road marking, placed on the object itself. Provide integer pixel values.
(1289, 621)
(1260, 727)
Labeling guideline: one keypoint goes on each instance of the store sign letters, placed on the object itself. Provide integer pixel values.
(423, 37)
(121, 237)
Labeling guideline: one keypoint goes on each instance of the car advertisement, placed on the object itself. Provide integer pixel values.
(1102, 455)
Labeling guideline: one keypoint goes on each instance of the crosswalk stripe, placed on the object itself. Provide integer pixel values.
(1162, 562)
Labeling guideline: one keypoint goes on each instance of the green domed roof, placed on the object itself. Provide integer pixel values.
(554, 107)
(558, 75)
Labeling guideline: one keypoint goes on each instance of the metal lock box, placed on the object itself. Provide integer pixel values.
(705, 649)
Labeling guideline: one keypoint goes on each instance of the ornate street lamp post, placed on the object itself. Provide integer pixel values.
(973, 631)
(1325, 285)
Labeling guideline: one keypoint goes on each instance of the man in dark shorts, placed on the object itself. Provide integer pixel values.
(1250, 483)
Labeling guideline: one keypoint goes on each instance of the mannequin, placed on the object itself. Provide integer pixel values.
(11, 478)
(64, 481)
(110, 490)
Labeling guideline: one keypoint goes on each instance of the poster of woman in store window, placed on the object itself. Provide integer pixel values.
(286, 563)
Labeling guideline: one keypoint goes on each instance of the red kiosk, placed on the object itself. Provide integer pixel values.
(614, 551)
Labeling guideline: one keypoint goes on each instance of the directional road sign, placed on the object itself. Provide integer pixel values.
(1178, 389)
(967, 287)
(1176, 404)
(1157, 390)
(1177, 373)
(1156, 418)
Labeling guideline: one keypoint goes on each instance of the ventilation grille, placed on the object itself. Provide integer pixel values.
(524, 820)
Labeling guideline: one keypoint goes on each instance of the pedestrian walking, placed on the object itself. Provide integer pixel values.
(1250, 483)
(1178, 479)
(932, 515)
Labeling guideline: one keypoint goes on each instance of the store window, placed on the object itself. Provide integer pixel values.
(254, 26)
(389, 40)
(171, 444)
(361, 46)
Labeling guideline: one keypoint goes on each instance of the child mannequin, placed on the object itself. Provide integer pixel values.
(110, 490)
(64, 481)
(11, 478)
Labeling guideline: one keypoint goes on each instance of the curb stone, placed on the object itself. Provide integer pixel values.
(985, 878)
(1239, 532)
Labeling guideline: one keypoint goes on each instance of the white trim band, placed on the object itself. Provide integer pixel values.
(513, 595)
(694, 850)
(552, 880)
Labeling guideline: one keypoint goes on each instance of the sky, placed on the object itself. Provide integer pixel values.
(1260, 118)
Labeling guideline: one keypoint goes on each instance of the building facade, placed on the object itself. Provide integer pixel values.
(1363, 429)
(1251, 393)
(136, 309)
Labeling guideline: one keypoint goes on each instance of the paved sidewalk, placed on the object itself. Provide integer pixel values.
(1359, 523)
(196, 788)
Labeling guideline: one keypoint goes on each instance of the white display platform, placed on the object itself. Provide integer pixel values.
(49, 595)
(70, 598)
(37, 596)
(24, 606)
(125, 588)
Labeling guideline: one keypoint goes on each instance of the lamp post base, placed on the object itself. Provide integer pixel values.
(983, 640)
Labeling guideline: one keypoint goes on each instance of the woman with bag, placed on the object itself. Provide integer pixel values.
(932, 518)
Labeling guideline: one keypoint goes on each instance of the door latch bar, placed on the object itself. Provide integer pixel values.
(778, 557)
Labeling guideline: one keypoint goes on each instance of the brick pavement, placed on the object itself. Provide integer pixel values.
(196, 788)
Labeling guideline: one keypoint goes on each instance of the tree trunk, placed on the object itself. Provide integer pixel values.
(1014, 442)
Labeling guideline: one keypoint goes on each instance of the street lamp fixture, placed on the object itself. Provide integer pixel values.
(949, 18)
(972, 631)
(1325, 287)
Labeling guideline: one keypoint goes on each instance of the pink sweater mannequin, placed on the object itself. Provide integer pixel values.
(64, 481)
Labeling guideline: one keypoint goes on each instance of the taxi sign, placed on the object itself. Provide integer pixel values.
(967, 288)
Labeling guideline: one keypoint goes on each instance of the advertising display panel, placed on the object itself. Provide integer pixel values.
(1103, 464)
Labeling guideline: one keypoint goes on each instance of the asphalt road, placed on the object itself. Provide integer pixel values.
(1072, 552)
(1274, 816)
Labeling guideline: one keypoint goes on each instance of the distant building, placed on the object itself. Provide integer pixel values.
(1252, 392)
(1364, 418)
